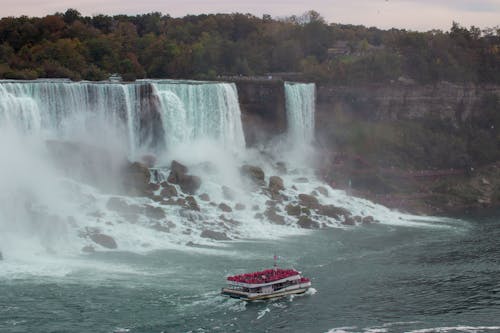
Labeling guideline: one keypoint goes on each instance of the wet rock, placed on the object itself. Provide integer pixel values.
(259, 216)
(116, 204)
(239, 206)
(204, 197)
(255, 207)
(192, 204)
(103, 240)
(156, 213)
(349, 221)
(315, 193)
(180, 202)
(358, 219)
(301, 180)
(135, 179)
(160, 227)
(292, 210)
(214, 235)
(153, 187)
(88, 249)
(190, 243)
(229, 194)
(368, 220)
(333, 211)
(225, 208)
(276, 184)
(168, 190)
(273, 217)
(281, 167)
(322, 190)
(309, 201)
(178, 175)
(254, 173)
(307, 223)
(148, 160)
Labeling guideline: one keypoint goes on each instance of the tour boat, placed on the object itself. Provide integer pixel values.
(266, 284)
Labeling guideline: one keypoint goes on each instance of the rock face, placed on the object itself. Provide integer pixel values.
(263, 109)
(178, 175)
(447, 101)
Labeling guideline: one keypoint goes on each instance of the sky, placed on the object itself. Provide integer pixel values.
(421, 15)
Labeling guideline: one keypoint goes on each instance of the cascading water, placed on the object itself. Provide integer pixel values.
(199, 123)
(200, 111)
(300, 106)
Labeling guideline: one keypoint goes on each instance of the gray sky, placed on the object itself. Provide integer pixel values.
(407, 14)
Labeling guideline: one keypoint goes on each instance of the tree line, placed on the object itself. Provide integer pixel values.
(209, 46)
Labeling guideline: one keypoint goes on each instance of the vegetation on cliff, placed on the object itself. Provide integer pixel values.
(206, 46)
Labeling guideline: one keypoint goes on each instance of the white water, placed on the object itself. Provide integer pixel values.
(200, 111)
(300, 105)
(202, 129)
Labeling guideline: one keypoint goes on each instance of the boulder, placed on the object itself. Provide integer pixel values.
(309, 201)
(178, 175)
(322, 190)
(292, 210)
(368, 220)
(281, 167)
(88, 249)
(168, 190)
(160, 227)
(204, 197)
(276, 184)
(273, 217)
(333, 211)
(254, 173)
(156, 213)
(116, 204)
(103, 240)
(225, 208)
(349, 221)
(239, 206)
(214, 235)
(306, 223)
(192, 204)
(136, 179)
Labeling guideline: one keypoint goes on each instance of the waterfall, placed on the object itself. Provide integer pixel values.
(300, 106)
(185, 111)
(201, 110)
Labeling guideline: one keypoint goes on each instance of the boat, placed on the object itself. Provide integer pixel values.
(266, 284)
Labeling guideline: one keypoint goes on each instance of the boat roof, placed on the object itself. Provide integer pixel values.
(267, 276)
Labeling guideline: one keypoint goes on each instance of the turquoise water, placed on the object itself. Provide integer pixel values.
(369, 279)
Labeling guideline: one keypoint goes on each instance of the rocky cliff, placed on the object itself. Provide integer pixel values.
(263, 109)
(431, 149)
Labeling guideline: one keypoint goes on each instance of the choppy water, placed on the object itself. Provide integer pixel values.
(377, 278)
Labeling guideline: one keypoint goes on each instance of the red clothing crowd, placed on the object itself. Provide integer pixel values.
(266, 276)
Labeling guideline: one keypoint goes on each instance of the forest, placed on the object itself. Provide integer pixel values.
(208, 47)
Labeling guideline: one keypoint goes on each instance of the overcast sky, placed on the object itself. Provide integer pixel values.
(408, 14)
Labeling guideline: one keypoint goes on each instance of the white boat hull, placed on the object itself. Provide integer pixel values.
(292, 290)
